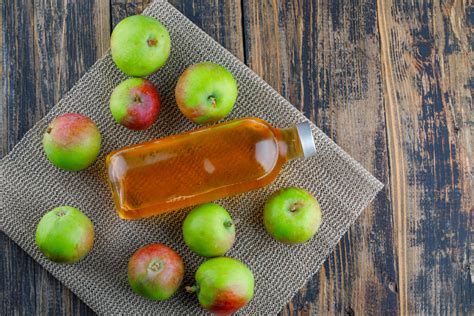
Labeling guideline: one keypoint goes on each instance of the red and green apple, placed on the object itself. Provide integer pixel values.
(223, 285)
(155, 272)
(135, 103)
(72, 141)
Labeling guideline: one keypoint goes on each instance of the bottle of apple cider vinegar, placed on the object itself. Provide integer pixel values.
(202, 165)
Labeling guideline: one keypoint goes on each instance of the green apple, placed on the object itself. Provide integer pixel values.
(292, 215)
(140, 45)
(223, 285)
(208, 230)
(206, 92)
(65, 234)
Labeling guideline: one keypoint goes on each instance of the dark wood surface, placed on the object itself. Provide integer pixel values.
(390, 81)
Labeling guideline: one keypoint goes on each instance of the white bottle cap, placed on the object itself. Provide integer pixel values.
(306, 139)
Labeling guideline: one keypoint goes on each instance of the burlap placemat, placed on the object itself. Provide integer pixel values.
(30, 186)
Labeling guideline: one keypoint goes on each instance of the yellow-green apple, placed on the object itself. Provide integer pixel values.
(65, 234)
(292, 215)
(206, 92)
(140, 45)
(208, 230)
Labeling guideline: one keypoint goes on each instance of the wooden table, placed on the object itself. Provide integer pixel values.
(390, 81)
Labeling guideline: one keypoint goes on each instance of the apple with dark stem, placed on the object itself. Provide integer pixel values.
(155, 272)
(65, 234)
(140, 45)
(292, 215)
(206, 92)
(135, 103)
(223, 285)
(208, 230)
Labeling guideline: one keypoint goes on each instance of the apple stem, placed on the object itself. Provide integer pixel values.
(191, 289)
(213, 101)
(295, 206)
(228, 223)
(151, 42)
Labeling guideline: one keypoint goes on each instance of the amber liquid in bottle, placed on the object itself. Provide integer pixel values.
(198, 166)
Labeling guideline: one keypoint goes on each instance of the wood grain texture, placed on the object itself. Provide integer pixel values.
(324, 58)
(427, 59)
(43, 55)
(390, 81)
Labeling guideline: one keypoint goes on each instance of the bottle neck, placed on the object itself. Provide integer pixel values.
(289, 144)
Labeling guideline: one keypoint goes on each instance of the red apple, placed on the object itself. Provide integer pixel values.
(155, 271)
(135, 103)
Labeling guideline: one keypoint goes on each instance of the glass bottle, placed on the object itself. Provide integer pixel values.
(202, 165)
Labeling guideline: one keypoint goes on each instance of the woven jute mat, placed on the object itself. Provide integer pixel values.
(30, 186)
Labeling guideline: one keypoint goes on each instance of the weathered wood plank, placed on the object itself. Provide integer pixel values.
(46, 47)
(120, 9)
(428, 80)
(220, 19)
(324, 58)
